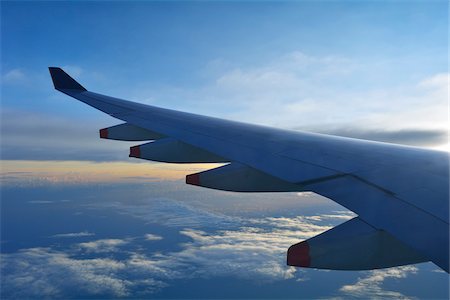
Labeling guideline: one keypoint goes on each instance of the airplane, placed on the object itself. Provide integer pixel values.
(400, 194)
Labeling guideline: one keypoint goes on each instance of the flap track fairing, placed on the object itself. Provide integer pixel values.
(173, 151)
(240, 178)
(128, 132)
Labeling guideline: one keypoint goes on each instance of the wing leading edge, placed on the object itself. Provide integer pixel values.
(400, 192)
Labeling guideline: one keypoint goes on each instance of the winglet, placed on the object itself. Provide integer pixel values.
(62, 81)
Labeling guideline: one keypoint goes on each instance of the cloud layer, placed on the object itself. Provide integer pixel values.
(252, 249)
(370, 286)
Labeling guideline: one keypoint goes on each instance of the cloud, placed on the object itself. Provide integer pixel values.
(246, 253)
(103, 245)
(42, 272)
(285, 78)
(440, 81)
(218, 209)
(36, 136)
(251, 248)
(153, 237)
(438, 271)
(412, 137)
(40, 201)
(13, 76)
(173, 213)
(370, 287)
(254, 249)
(73, 234)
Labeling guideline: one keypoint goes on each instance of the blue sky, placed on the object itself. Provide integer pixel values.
(369, 69)
(76, 207)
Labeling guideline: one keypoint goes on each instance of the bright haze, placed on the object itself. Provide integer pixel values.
(82, 220)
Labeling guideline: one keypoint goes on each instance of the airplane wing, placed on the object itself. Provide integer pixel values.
(400, 193)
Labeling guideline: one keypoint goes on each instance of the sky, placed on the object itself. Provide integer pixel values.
(76, 205)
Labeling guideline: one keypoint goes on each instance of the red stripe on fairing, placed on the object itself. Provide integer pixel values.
(298, 255)
(104, 133)
(135, 151)
(193, 179)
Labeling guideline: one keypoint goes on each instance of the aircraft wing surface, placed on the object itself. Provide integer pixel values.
(400, 193)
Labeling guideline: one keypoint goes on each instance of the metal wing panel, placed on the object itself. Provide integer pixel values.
(404, 173)
(410, 224)
(429, 191)
(233, 140)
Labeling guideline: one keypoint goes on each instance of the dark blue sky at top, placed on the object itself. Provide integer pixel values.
(156, 34)
(159, 43)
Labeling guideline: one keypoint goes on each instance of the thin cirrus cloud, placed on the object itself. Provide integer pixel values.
(297, 89)
(73, 234)
(14, 76)
(313, 93)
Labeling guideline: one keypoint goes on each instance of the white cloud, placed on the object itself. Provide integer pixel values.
(153, 237)
(41, 272)
(159, 266)
(73, 234)
(247, 253)
(438, 271)
(370, 287)
(104, 245)
(256, 250)
(250, 249)
(40, 201)
(440, 81)
(13, 76)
